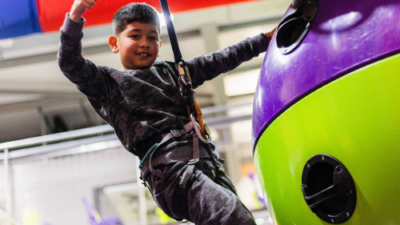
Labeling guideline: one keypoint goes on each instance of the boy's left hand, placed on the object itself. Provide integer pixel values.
(79, 7)
(270, 34)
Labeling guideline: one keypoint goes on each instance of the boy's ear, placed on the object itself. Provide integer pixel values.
(113, 42)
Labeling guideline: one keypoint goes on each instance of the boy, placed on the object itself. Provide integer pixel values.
(143, 104)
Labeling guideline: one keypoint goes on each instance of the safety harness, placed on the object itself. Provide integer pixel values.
(185, 81)
(200, 131)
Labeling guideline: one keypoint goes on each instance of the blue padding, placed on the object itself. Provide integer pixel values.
(18, 17)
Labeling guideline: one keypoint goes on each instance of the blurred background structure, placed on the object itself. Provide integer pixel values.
(61, 164)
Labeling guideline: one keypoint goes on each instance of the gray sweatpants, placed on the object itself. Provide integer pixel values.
(209, 198)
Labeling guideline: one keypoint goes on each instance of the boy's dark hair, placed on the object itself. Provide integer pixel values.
(134, 12)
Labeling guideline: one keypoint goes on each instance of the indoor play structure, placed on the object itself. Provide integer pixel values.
(326, 114)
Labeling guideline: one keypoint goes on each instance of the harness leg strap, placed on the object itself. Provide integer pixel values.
(191, 164)
(157, 172)
(173, 134)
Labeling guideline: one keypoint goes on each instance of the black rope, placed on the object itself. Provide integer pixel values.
(186, 90)
(171, 31)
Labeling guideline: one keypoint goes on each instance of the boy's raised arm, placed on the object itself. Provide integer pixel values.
(89, 79)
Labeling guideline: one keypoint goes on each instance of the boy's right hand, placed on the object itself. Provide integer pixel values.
(79, 7)
(270, 34)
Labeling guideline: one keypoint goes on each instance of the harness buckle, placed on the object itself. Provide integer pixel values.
(178, 133)
(197, 130)
(183, 73)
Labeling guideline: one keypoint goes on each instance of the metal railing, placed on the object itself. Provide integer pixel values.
(86, 140)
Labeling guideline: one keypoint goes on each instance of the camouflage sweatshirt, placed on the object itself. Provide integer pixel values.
(141, 105)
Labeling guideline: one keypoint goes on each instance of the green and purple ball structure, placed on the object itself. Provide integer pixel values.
(326, 118)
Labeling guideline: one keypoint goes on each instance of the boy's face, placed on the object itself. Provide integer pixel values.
(138, 45)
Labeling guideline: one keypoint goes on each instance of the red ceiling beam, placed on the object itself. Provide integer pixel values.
(52, 13)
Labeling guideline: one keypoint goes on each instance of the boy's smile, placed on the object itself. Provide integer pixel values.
(138, 45)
